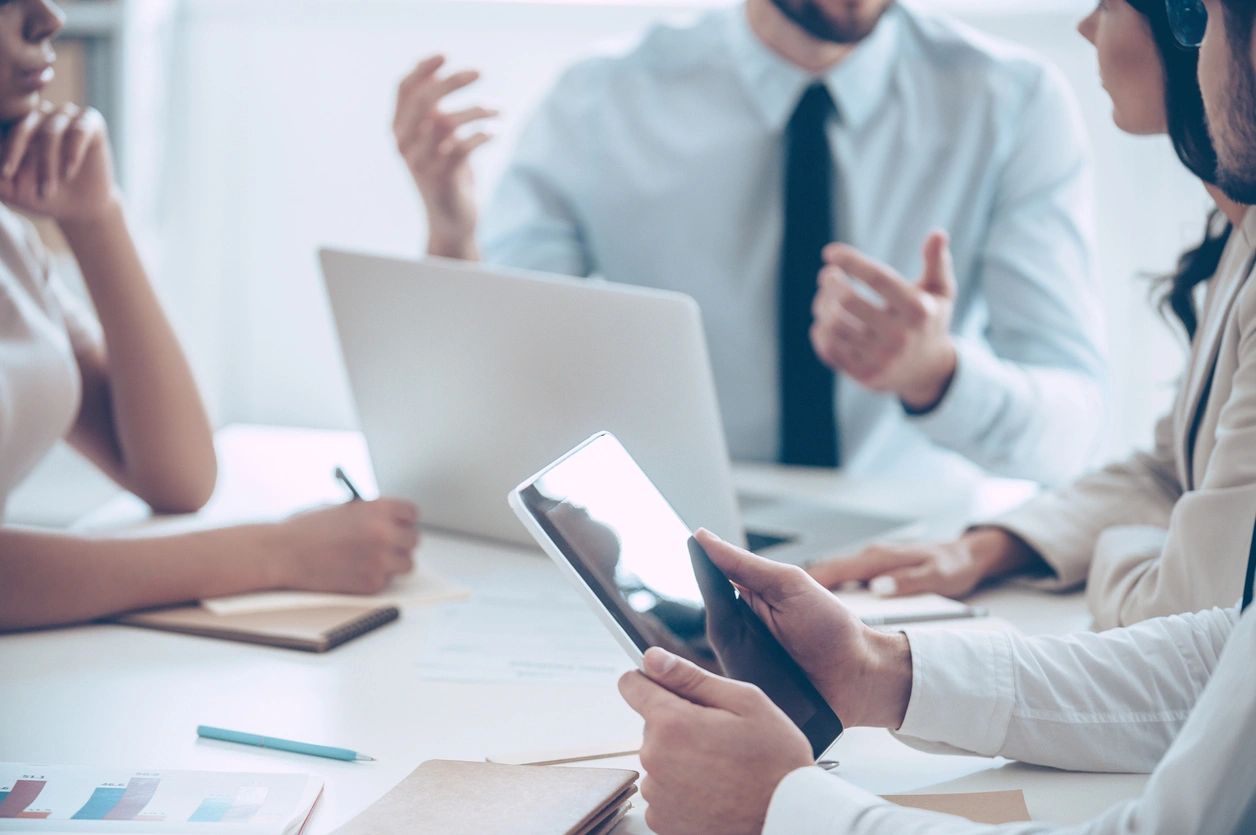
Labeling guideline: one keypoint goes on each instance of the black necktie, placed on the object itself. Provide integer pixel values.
(808, 423)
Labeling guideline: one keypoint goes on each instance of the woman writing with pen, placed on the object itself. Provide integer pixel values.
(118, 388)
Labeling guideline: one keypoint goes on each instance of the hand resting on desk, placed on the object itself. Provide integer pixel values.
(49, 578)
(953, 569)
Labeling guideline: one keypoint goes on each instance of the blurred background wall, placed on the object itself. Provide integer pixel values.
(251, 132)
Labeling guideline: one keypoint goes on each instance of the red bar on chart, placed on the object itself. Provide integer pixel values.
(20, 796)
(34, 815)
(139, 791)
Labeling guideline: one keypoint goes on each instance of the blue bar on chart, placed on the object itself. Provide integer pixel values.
(100, 803)
(211, 810)
(248, 802)
(139, 791)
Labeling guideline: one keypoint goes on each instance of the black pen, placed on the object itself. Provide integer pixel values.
(343, 478)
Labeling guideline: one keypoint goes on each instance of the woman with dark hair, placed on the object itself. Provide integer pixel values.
(114, 383)
(1135, 531)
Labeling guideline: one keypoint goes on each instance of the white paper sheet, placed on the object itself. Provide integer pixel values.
(419, 587)
(504, 637)
(917, 607)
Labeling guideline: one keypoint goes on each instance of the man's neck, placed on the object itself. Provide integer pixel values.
(781, 35)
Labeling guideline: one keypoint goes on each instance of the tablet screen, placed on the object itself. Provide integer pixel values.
(628, 545)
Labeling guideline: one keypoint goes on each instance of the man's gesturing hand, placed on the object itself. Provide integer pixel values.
(901, 345)
(436, 154)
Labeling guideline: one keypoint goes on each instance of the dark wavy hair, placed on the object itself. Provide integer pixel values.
(1188, 130)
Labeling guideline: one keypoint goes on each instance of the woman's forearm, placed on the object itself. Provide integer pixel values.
(49, 578)
(143, 419)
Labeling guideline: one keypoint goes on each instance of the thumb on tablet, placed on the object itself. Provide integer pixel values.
(689, 681)
(750, 571)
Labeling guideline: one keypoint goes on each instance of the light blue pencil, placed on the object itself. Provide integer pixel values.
(210, 732)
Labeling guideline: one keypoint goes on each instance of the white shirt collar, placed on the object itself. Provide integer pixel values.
(857, 85)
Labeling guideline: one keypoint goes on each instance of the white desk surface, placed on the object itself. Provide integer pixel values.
(112, 695)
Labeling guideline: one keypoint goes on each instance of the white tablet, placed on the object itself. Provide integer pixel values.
(613, 534)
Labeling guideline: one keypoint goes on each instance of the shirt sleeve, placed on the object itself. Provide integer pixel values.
(1175, 691)
(532, 221)
(1029, 404)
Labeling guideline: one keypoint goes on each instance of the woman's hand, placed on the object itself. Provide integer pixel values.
(953, 569)
(56, 163)
(353, 548)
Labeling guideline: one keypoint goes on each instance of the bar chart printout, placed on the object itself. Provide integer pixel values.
(84, 799)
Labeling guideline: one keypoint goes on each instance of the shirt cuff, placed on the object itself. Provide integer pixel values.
(810, 800)
(976, 395)
(962, 690)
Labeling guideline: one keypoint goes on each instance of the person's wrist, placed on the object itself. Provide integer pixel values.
(996, 552)
(276, 555)
(923, 393)
(890, 674)
(448, 236)
(874, 689)
(451, 245)
(77, 223)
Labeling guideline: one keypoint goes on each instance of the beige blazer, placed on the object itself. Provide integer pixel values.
(1168, 531)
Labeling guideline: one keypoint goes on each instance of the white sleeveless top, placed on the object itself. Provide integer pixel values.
(41, 326)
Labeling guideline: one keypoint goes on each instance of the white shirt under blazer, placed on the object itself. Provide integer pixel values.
(664, 167)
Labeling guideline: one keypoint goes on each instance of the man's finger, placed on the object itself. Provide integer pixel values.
(692, 683)
(463, 148)
(415, 104)
(647, 697)
(471, 114)
(873, 317)
(422, 70)
(899, 295)
(761, 575)
(429, 95)
(939, 275)
(868, 563)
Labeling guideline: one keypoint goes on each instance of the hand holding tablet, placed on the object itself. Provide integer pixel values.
(614, 535)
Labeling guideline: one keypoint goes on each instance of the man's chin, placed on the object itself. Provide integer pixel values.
(807, 15)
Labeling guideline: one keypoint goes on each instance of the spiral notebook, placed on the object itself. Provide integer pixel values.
(312, 629)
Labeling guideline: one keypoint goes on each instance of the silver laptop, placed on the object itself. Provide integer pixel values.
(468, 378)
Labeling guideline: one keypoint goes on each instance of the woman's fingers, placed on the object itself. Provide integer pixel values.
(871, 562)
(78, 141)
(50, 138)
(19, 139)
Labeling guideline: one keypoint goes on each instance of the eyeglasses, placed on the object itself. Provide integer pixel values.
(1189, 20)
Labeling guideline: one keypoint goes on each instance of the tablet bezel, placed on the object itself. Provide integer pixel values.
(822, 730)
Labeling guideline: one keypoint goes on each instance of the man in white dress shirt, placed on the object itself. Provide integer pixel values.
(719, 158)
